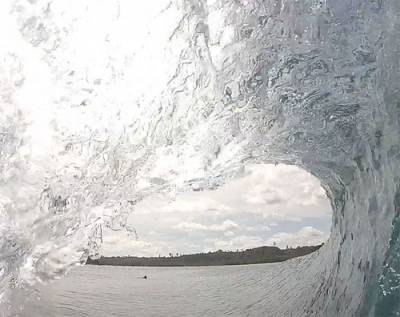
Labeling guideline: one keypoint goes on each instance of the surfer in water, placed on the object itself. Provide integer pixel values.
(145, 277)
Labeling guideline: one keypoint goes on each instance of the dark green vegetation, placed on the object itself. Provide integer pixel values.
(249, 256)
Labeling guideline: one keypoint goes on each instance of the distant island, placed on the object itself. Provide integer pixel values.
(250, 256)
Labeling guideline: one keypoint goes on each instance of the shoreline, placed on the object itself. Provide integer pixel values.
(260, 255)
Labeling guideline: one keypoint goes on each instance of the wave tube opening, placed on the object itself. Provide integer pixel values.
(266, 205)
(94, 120)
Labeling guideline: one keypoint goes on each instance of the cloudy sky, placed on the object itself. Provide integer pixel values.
(269, 204)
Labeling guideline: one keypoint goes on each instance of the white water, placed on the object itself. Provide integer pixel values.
(106, 102)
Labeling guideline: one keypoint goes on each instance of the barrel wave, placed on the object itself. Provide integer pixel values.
(104, 103)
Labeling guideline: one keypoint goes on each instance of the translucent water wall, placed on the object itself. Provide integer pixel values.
(106, 102)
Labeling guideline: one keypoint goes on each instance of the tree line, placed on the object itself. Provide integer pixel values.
(265, 254)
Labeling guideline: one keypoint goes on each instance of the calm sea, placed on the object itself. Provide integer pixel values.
(188, 291)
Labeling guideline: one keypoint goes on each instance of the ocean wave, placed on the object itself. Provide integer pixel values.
(105, 103)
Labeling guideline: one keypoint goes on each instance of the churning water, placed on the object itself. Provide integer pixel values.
(103, 103)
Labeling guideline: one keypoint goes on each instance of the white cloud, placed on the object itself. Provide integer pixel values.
(258, 228)
(263, 196)
(239, 243)
(305, 236)
(194, 203)
(284, 191)
(229, 234)
(227, 225)
(119, 243)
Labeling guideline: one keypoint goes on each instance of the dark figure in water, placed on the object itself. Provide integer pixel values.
(145, 277)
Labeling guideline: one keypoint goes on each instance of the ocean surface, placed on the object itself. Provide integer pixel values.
(174, 291)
